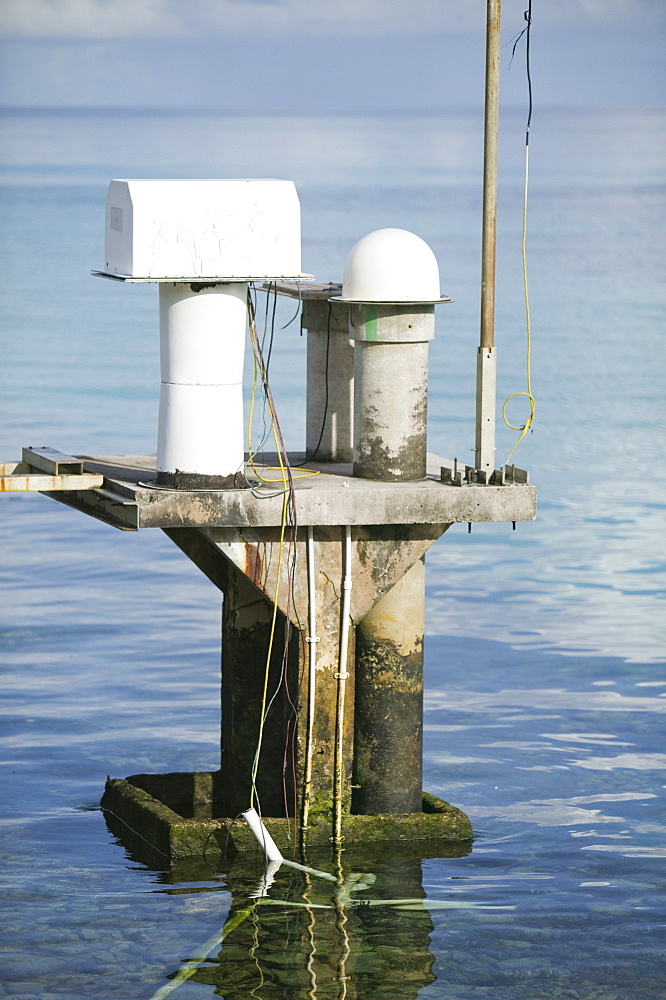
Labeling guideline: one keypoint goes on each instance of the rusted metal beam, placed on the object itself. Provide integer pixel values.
(53, 462)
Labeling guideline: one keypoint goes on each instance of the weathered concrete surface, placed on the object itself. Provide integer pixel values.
(392, 322)
(381, 555)
(388, 732)
(246, 629)
(333, 497)
(176, 836)
(382, 735)
(236, 546)
(390, 389)
(246, 626)
(381, 739)
(390, 411)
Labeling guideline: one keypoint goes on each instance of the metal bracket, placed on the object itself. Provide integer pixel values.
(516, 476)
(452, 477)
(53, 462)
(509, 476)
(45, 470)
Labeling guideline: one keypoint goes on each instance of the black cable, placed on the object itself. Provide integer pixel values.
(298, 309)
(528, 18)
(311, 457)
(526, 31)
(272, 336)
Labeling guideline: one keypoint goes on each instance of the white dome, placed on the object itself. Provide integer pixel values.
(391, 265)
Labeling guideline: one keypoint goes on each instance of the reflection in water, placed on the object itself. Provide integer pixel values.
(291, 935)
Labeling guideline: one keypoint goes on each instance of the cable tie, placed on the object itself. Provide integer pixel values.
(341, 677)
(312, 638)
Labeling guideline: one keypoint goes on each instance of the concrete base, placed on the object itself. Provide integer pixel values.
(175, 816)
(334, 497)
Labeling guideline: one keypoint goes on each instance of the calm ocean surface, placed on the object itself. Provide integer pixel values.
(545, 666)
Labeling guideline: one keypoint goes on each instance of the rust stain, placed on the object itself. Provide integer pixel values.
(254, 564)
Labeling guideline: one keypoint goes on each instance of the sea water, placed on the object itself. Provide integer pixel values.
(545, 668)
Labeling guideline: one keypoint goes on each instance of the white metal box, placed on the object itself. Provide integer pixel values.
(203, 229)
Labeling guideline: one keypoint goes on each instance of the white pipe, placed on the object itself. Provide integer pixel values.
(310, 871)
(342, 676)
(486, 405)
(270, 848)
(312, 641)
(272, 851)
(202, 344)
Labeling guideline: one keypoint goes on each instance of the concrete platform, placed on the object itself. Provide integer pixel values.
(176, 815)
(128, 500)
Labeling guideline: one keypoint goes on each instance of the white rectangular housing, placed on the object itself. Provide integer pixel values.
(181, 229)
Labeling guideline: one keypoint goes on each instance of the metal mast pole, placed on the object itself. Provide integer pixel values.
(486, 359)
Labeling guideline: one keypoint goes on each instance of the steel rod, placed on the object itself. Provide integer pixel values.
(485, 386)
(490, 144)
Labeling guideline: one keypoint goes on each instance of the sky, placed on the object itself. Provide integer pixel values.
(322, 55)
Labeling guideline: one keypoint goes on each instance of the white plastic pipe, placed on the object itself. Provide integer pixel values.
(342, 676)
(200, 441)
(272, 851)
(312, 641)
(270, 848)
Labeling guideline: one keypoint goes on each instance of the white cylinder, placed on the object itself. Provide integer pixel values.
(270, 848)
(200, 440)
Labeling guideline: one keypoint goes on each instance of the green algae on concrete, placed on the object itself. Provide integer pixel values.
(150, 809)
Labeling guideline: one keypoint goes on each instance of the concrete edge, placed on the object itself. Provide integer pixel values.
(145, 820)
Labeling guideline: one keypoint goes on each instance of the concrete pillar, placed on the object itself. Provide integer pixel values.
(324, 723)
(246, 625)
(388, 731)
(390, 389)
(330, 385)
(246, 622)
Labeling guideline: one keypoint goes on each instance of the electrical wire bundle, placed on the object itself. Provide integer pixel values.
(286, 548)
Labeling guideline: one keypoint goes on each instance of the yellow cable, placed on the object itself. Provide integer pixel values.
(253, 395)
(255, 764)
(303, 474)
(526, 427)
